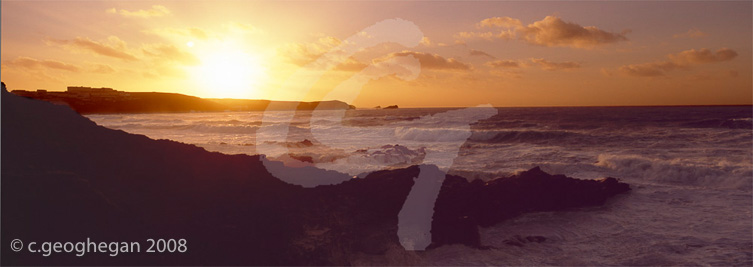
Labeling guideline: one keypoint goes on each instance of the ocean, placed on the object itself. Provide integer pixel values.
(690, 168)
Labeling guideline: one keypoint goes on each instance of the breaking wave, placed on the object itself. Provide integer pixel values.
(523, 136)
(721, 174)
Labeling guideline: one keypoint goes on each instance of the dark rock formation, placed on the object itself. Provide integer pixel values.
(112, 101)
(391, 107)
(463, 205)
(66, 179)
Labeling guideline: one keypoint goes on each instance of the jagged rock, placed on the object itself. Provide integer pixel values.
(462, 206)
(65, 179)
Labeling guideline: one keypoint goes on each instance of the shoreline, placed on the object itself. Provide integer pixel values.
(66, 178)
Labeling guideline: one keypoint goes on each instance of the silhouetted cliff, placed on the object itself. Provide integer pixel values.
(106, 100)
(66, 179)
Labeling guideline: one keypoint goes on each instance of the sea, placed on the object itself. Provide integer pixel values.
(690, 170)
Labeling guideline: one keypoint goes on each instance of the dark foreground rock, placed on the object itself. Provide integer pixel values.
(65, 179)
(463, 206)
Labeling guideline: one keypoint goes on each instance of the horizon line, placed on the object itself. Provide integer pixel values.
(417, 107)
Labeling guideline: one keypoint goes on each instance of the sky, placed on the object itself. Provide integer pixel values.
(411, 54)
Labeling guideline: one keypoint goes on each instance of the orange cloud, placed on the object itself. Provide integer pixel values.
(550, 31)
(552, 66)
(702, 56)
(303, 53)
(475, 52)
(504, 64)
(350, 64)
(506, 22)
(553, 31)
(425, 41)
(155, 11)
(432, 61)
(31, 63)
(653, 69)
(685, 59)
(116, 49)
(504, 35)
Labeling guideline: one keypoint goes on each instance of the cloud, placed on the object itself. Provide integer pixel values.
(155, 11)
(432, 61)
(506, 22)
(504, 64)
(653, 69)
(488, 36)
(303, 53)
(351, 65)
(475, 35)
(31, 63)
(170, 53)
(513, 68)
(475, 52)
(550, 31)
(692, 33)
(425, 41)
(115, 49)
(507, 73)
(552, 66)
(683, 60)
(702, 56)
(553, 31)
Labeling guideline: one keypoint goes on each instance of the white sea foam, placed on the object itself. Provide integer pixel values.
(719, 173)
(431, 134)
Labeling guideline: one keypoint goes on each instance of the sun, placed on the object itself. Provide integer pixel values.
(229, 73)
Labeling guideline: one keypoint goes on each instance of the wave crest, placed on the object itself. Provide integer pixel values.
(723, 174)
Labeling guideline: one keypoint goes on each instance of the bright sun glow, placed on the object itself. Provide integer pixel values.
(229, 73)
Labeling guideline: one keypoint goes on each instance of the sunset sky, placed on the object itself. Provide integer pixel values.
(590, 53)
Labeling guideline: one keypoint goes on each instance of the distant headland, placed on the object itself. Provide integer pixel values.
(88, 100)
(387, 107)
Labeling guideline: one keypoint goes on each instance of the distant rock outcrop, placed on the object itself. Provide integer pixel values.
(66, 179)
(391, 107)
